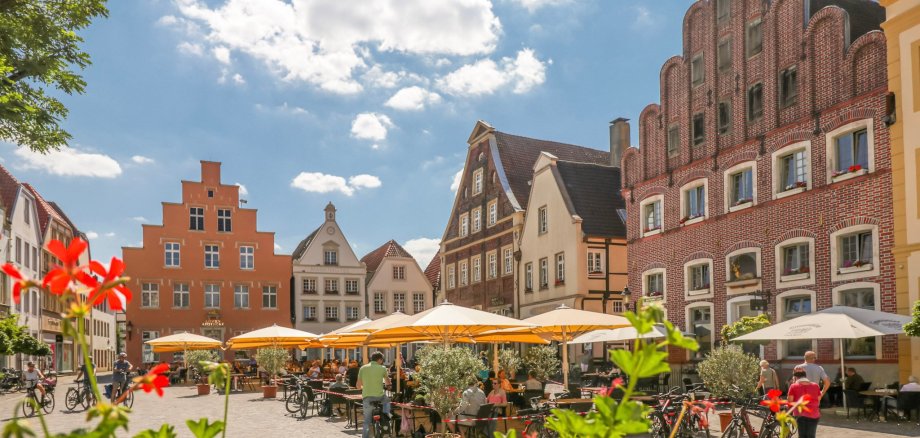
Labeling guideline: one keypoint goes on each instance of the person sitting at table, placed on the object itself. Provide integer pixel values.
(341, 367)
(503, 381)
(489, 382)
(470, 401)
(328, 372)
(499, 398)
(314, 372)
(532, 383)
(351, 374)
(910, 386)
(854, 381)
(339, 386)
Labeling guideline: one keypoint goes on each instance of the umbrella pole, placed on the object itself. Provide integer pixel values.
(495, 358)
(364, 354)
(398, 366)
(185, 363)
(565, 360)
(843, 376)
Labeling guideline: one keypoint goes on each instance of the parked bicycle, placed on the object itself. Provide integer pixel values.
(380, 422)
(11, 381)
(45, 402)
(535, 423)
(79, 395)
(299, 397)
(741, 425)
(664, 416)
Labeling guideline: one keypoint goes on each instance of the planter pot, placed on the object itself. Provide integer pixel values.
(269, 391)
(203, 388)
(725, 418)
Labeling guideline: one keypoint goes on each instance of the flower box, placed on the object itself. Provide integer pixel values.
(861, 267)
(560, 282)
(851, 172)
(794, 277)
(743, 282)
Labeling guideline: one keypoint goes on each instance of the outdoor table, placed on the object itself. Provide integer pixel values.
(881, 395)
(352, 413)
(236, 380)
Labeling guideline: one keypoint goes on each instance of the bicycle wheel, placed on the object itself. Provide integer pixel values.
(48, 402)
(293, 402)
(304, 404)
(699, 428)
(658, 427)
(71, 399)
(378, 429)
(129, 400)
(28, 408)
(734, 430)
(89, 399)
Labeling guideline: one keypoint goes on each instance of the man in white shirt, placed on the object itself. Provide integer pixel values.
(911, 385)
(815, 373)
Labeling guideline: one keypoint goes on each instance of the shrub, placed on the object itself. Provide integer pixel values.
(542, 360)
(510, 361)
(446, 372)
(272, 359)
(745, 325)
(913, 327)
(726, 366)
(197, 359)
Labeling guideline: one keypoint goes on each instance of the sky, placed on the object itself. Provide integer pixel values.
(367, 104)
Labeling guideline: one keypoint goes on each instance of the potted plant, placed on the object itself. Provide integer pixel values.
(194, 360)
(725, 368)
(542, 360)
(445, 372)
(271, 359)
(510, 361)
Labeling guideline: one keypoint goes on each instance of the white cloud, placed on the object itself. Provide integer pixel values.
(110, 234)
(277, 247)
(442, 62)
(317, 182)
(221, 54)
(167, 20)
(284, 108)
(238, 79)
(371, 126)
(522, 73)
(533, 5)
(139, 219)
(455, 184)
(190, 48)
(377, 77)
(326, 42)
(70, 162)
(412, 99)
(92, 235)
(423, 249)
(140, 159)
(243, 190)
(644, 18)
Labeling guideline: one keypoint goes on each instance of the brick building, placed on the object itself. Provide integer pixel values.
(205, 270)
(766, 167)
(488, 214)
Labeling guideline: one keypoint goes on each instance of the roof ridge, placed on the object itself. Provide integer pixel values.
(550, 141)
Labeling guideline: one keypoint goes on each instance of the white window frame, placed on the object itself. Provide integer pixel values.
(311, 280)
(781, 316)
(211, 258)
(270, 292)
(181, 291)
(451, 277)
(224, 220)
(464, 225)
(712, 322)
(560, 268)
(418, 302)
(380, 303)
(312, 312)
(247, 257)
(172, 255)
(352, 290)
(352, 313)
(196, 213)
(399, 302)
(595, 263)
(492, 264)
(700, 293)
(150, 292)
(542, 220)
(464, 273)
(477, 181)
(399, 272)
(508, 259)
(330, 286)
(240, 296)
(778, 185)
(794, 280)
(830, 142)
(528, 277)
(476, 219)
(330, 257)
(837, 301)
(492, 209)
(728, 205)
(839, 273)
(476, 263)
(147, 354)
(210, 294)
(757, 257)
(664, 285)
(684, 205)
(544, 273)
(643, 231)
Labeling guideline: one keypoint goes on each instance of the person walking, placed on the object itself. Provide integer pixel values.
(808, 414)
(371, 379)
(120, 370)
(815, 373)
(768, 379)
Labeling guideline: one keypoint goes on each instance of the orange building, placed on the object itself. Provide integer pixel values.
(206, 270)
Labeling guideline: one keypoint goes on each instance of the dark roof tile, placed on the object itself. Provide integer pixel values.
(595, 194)
(390, 249)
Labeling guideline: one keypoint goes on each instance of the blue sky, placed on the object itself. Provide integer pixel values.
(367, 104)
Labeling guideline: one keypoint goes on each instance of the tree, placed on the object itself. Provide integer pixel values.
(39, 49)
(729, 366)
(445, 374)
(272, 360)
(745, 325)
(510, 361)
(542, 360)
(912, 328)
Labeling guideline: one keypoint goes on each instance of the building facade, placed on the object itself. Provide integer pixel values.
(329, 280)
(433, 273)
(205, 270)
(488, 214)
(766, 169)
(902, 33)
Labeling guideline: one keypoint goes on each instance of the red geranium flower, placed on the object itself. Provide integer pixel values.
(20, 283)
(60, 277)
(155, 379)
(774, 402)
(110, 288)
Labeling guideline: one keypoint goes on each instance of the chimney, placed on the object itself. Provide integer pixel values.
(619, 140)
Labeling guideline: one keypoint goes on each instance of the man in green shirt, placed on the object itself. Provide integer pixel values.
(371, 380)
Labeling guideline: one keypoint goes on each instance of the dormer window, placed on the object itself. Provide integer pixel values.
(330, 257)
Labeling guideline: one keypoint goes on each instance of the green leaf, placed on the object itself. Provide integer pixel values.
(203, 429)
(17, 428)
(677, 339)
(166, 431)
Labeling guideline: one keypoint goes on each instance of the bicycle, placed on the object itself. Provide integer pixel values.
(535, 423)
(299, 398)
(664, 416)
(11, 381)
(119, 388)
(380, 424)
(741, 421)
(79, 395)
(46, 403)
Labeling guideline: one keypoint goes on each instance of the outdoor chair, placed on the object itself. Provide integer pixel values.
(337, 400)
(475, 428)
(529, 394)
(861, 404)
(575, 390)
(908, 406)
(315, 384)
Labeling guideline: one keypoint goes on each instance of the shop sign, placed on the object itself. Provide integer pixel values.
(51, 324)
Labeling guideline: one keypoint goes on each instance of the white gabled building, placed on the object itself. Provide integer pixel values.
(329, 280)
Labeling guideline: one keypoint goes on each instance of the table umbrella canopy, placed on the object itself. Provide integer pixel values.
(274, 336)
(183, 342)
(883, 322)
(348, 328)
(357, 335)
(447, 322)
(617, 335)
(512, 335)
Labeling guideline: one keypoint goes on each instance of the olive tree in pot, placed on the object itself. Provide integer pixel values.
(510, 361)
(271, 359)
(912, 328)
(445, 373)
(194, 360)
(729, 372)
(542, 361)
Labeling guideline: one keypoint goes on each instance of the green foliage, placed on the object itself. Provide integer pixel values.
(39, 51)
(445, 373)
(166, 431)
(204, 429)
(510, 361)
(729, 365)
(912, 328)
(198, 359)
(541, 359)
(745, 325)
(272, 359)
(15, 339)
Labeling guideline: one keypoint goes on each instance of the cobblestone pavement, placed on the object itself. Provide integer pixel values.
(250, 416)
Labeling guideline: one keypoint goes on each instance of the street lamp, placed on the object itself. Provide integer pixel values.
(626, 293)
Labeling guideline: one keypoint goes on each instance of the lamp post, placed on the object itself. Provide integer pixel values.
(626, 293)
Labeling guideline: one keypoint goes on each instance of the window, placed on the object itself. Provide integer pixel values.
(796, 260)
(754, 40)
(241, 296)
(399, 272)
(210, 193)
(755, 102)
(743, 266)
(651, 214)
(544, 273)
(477, 269)
(309, 285)
(477, 219)
(701, 325)
(852, 152)
(654, 284)
(508, 255)
(180, 296)
(26, 209)
(330, 257)
(150, 295)
(723, 10)
(788, 87)
(211, 257)
(493, 213)
(528, 277)
(196, 218)
(699, 129)
(269, 297)
(380, 305)
(18, 250)
(211, 296)
(560, 268)
(794, 168)
(223, 220)
(309, 313)
(351, 313)
(464, 273)
(247, 257)
(332, 313)
(147, 354)
(863, 298)
(725, 117)
(399, 301)
(35, 258)
(331, 286)
(418, 302)
(794, 307)
(699, 277)
(171, 253)
(464, 224)
(673, 141)
(856, 250)
(451, 277)
(492, 265)
(351, 287)
(696, 70)
(595, 262)
(477, 182)
(694, 202)
(742, 187)
(725, 54)
(28, 264)
(542, 220)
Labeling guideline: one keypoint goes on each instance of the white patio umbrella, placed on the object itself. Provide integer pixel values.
(838, 322)
(617, 335)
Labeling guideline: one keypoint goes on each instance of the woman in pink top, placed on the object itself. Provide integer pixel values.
(809, 412)
(497, 396)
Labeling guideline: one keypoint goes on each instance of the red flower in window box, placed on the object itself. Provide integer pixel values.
(804, 270)
(855, 168)
(685, 219)
(801, 184)
(559, 282)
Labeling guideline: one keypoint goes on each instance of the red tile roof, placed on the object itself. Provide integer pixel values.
(9, 187)
(389, 249)
(45, 211)
(433, 271)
